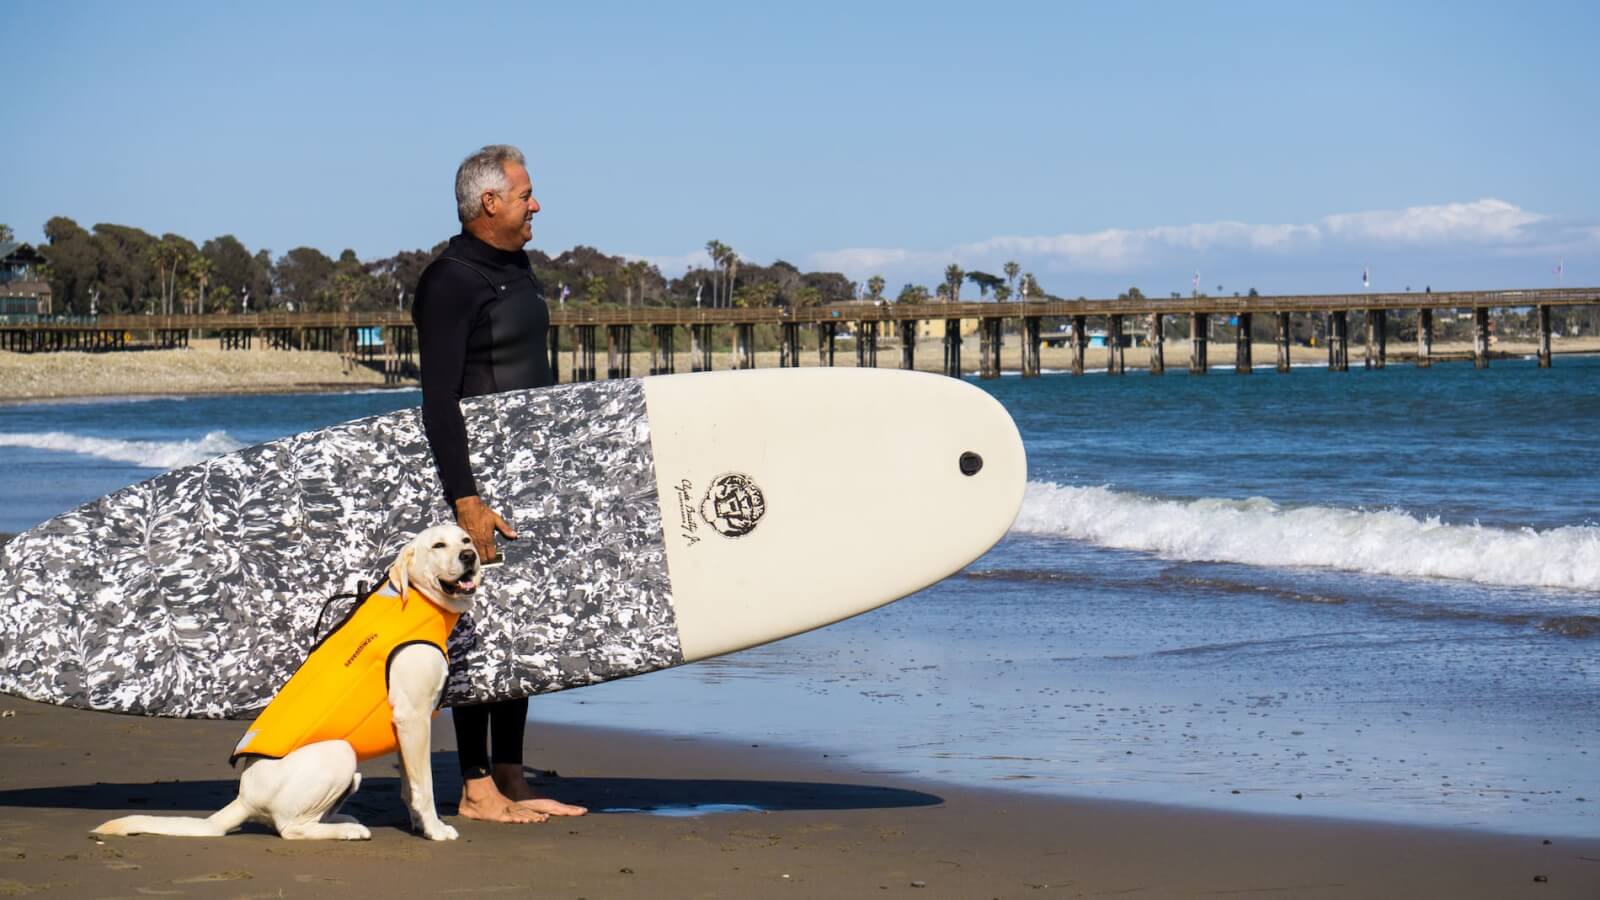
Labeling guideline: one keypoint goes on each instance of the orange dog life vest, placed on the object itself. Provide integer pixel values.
(341, 691)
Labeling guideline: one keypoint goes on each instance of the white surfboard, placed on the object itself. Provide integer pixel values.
(663, 520)
(862, 493)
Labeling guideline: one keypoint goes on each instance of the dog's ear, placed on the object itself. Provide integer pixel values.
(400, 572)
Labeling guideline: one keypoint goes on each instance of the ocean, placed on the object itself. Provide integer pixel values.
(1370, 595)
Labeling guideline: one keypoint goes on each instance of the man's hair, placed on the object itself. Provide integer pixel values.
(480, 172)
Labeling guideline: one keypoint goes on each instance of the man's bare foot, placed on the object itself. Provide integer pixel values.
(481, 799)
(509, 779)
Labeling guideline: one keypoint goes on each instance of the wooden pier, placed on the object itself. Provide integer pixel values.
(1121, 318)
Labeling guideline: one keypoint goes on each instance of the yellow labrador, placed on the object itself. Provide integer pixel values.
(299, 795)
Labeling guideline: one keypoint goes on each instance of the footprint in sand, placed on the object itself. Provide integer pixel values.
(230, 875)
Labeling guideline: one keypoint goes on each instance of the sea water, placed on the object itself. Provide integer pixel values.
(1372, 594)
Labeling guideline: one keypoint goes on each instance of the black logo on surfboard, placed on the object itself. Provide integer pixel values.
(733, 505)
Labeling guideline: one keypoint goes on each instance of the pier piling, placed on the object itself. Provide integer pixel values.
(1080, 342)
(1339, 341)
(1285, 336)
(661, 339)
(744, 346)
(1544, 336)
(867, 344)
(1424, 338)
(1157, 341)
(789, 346)
(908, 345)
(1480, 337)
(1242, 361)
(989, 348)
(619, 340)
(1198, 323)
(583, 354)
(1114, 358)
(1377, 350)
(1031, 341)
(952, 347)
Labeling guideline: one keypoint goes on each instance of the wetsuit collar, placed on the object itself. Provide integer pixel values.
(469, 247)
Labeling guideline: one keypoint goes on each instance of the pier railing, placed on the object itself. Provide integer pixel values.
(353, 333)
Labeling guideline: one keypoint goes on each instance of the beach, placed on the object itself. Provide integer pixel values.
(1262, 659)
(204, 368)
(801, 824)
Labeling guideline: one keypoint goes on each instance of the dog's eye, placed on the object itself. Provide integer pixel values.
(439, 546)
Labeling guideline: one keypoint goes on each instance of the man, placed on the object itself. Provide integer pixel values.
(481, 325)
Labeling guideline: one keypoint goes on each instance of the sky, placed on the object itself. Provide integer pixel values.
(1286, 147)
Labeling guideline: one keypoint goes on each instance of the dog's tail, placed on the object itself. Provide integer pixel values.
(219, 823)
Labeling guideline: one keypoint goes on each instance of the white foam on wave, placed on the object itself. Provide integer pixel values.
(145, 454)
(1257, 531)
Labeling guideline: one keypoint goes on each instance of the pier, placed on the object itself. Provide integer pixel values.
(1120, 322)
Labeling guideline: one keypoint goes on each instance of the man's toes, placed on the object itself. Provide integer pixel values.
(552, 807)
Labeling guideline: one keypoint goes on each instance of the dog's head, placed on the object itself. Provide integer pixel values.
(441, 564)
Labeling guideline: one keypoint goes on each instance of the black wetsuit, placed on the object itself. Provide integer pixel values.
(481, 327)
(482, 324)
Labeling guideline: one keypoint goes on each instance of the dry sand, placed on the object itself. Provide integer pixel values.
(196, 370)
(826, 829)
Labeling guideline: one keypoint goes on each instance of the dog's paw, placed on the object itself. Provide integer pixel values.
(354, 831)
(438, 831)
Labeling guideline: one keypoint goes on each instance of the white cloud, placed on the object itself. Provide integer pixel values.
(867, 259)
(1481, 221)
(1495, 223)
(675, 266)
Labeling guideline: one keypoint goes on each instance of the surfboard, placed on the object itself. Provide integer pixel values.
(663, 520)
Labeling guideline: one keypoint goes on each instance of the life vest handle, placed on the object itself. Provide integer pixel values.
(364, 589)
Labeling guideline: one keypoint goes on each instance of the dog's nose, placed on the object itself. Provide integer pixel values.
(469, 556)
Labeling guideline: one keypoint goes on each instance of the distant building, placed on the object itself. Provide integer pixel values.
(926, 328)
(24, 294)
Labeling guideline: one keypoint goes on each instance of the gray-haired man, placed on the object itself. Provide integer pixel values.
(482, 326)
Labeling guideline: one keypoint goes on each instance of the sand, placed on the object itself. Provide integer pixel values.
(807, 823)
(819, 827)
(204, 368)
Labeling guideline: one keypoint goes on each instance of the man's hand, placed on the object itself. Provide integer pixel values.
(481, 523)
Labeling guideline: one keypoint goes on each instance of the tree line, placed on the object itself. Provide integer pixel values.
(120, 269)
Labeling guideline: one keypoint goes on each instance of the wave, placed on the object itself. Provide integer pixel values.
(1257, 531)
(145, 454)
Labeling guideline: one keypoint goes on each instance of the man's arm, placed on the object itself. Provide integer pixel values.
(444, 313)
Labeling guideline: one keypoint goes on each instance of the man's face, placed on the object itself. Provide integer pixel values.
(511, 213)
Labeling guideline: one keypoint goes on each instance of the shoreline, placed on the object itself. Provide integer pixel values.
(205, 369)
(801, 821)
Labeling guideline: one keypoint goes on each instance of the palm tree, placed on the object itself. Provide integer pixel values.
(732, 261)
(1012, 270)
(200, 269)
(952, 280)
(636, 272)
(347, 287)
(167, 254)
(875, 286)
(718, 251)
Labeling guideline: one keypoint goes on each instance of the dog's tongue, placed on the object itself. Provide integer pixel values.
(467, 584)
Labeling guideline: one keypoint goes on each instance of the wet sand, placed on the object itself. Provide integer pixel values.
(203, 368)
(812, 826)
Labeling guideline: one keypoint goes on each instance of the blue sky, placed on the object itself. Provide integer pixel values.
(1270, 145)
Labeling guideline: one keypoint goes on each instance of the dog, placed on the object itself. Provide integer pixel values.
(299, 793)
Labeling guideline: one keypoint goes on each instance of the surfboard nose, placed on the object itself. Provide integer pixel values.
(795, 498)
